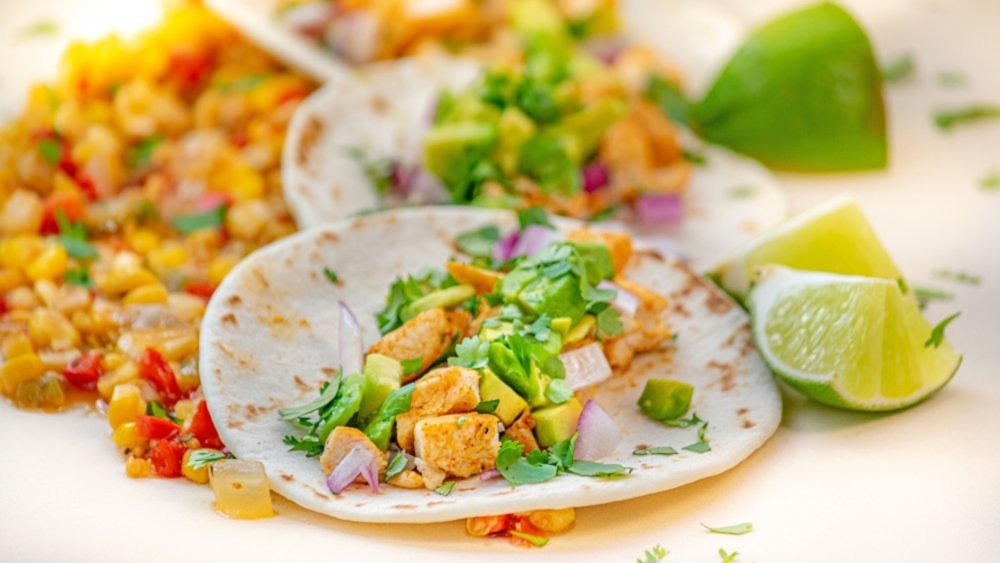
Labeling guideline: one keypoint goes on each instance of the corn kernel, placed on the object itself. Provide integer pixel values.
(199, 475)
(21, 213)
(136, 467)
(172, 255)
(17, 345)
(219, 267)
(246, 219)
(20, 369)
(49, 328)
(113, 361)
(185, 408)
(125, 436)
(147, 294)
(552, 521)
(50, 264)
(125, 277)
(110, 381)
(143, 241)
(19, 251)
(188, 381)
(246, 183)
(179, 347)
(10, 278)
(126, 405)
(241, 489)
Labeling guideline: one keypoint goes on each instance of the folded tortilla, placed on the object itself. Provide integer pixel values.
(269, 338)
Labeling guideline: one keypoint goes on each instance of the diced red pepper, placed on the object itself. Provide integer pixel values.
(154, 369)
(189, 69)
(203, 428)
(155, 428)
(3, 305)
(70, 205)
(201, 288)
(166, 457)
(84, 371)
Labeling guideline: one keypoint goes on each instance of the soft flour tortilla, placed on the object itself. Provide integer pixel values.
(268, 341)
(384, 111)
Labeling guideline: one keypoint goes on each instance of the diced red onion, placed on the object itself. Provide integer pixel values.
(533, 239)
(504, 249)
(425, 188)
(595, 177)
(625, 301)
(599, 434)
(354, 36)
(308, 19)
(403, 176)
(660, 209)
(370, 473)
(585, 366)
(352, 353)
(489, 475)
(358, 461)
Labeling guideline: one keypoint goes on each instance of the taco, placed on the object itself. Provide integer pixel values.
(542, 390)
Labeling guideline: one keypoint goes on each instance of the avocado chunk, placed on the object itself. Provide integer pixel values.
(382, 375)
(451, 149)
(561, 325)
(557, 423)
(511, 404)
(582, 131)
(515, 281)
(442, 298)
(515, 129)
(508, 368)
(665, 399)
(345, 405)
(493, 333)
(596, 261)
(532, 17)
(558, 297)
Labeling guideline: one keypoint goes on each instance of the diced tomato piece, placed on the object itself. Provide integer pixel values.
(166, 457)
(210, 201)
(202, 288)
(3, 305)
(154, 369)
(189, 69)
(523, 524)
(87, 185)
(203, 428)
(155, 428)
(70, 205)
(84, 371)
(292, 94)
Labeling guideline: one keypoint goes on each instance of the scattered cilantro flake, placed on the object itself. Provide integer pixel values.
(957, 276)
(669, 98)
(79, 277)
(412, 365)
(694, 156)
(460, 422)
(903, 287)
(326, 395)
(946, 119)
(146, 211)
(727, 557)
(991, 181)
(201, 457)
(925, 295)
(605, 214)
(244, 83)
(471, 353)
(937, 333)
(77, 248)
(445, 488)
(50, 149)
(538, 541)
(595, 469)
(657, 450)
(378, 170)
(141, 154)
(40, 28)
(734, 530)
(487, 407)
(741, 192)
(952, 79)
(609, 324)
(541, 329)
(479, 243)
(653, 555)
(396, 466)
(898, 69)
(211, 219)
(558, 391)
(534, 216)
(156, 409)
(701, 446)
(331, 275)
(684, 422)
(519, 471)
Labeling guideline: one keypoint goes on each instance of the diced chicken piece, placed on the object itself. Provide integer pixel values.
(642, 333)
(483, 280)
(432, 476)
(619, 244)
(485, 312)
(461, 445)
(522, 431)
(445, 390)
(341, 441)
(660, 132)
(427, 336)
(407, 480)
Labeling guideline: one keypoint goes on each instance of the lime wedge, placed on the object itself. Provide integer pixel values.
(847, 341)
(803, 93)
(834, 237)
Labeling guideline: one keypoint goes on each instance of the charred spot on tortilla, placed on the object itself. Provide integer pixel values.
(311, 132)
(229, 318)
(234, 300)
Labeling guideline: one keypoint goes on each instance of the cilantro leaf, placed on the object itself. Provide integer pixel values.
(378, 170)
(595, 469)
(937, 333)
(952, 79)
(668, 97)
(541, 329)
(701, 446)
(538, 541)
(517, 470)
(684, 422)
(203, 456)
(404, 291)
(694, 156)
(471, 353)
(77, 248)
(658, 450)
(487, 407)
(960, 276)
(50, 149)
(411, 366)
(534, 216)
(79, 277)
(327, 393)
(156, 409)
(991, 181)
(445, 488)
(925, 295)
(396, 466)
(609, 324)
(40, 28)
(331, 275)
(898, 69)
(946, 119)
(734, 530)
(558, 391)
(727, 557)
(211, 219)
(479, 243)
(561, 454)
(654, 555)
(141, 154)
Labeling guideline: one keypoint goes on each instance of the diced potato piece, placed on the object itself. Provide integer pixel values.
(341, 442)
(462, 445)
(619, 244)
(241, 489)
(126, 405)
(427, 336)
(483, 280)
(443, 391)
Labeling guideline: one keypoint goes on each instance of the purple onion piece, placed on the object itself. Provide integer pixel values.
(352, 352)
(665, 209)
(489, 475)
(625, 301)
(533, 239)
(504, 249)
(349, 468)
(595, 177)
(599, 434)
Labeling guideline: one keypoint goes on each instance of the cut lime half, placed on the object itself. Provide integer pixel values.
(834, 237)
(847, 341)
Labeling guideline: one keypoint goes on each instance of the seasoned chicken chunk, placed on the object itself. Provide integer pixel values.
(432, 476)
(619, 244)
(426, 336)
(642, 333)
(341, 441)
(443, 391)
(461, 445)
(522, 431)
(483, 280)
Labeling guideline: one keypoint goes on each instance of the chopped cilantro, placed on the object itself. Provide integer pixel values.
(701, 446)
(991, 181)
(327, 392)
(201, 457)
(741, 192)
(937, 333)
(957, 276)
(946, 119)
(541, 329)
(534, 216)
(727, 557)
(411, 366)
(925, 295)
(79, 277)
(518, 470)
(404, 291)
(445, 488)
(141, 154)
(606, 214)
(734, 530)
(538, 541)
(668, 97)
(595, 469)
(952, 79)
(73, 237)
(487, 407)
(378, 170)
(331, 275)
(396, 466)
(609, 324)
(40, 28)
(684, 422)
(145, 211)
(471, 353)
(50, 149)
(460, 422)
(211, 219)
(558, 391)
(156, 409)
(658, 450)
(694, 156)
(898, 69)
(479, 243)
(653, 555)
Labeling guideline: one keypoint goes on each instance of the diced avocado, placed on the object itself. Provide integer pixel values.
(582, 131)
(581, 329)
(515, 129)
(515, 281)
(540, 400)
(470, 108)
(561, 325)
(556, 423)
(511, 404)
(505, 365)
(554, 297)
(448, 145)
(382, 375)
(443, 298)
(554, 343)
(379, 427)
(665, 399)
(596, 260)
(532, 17)
(494, 332)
